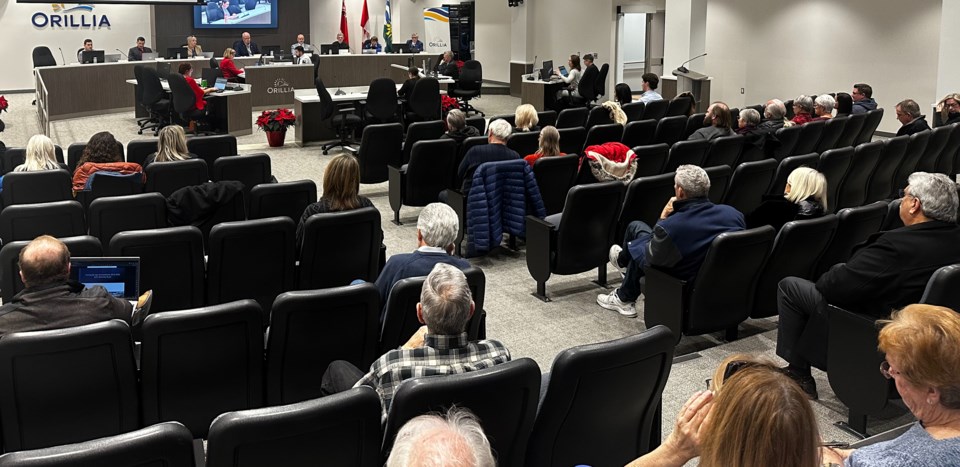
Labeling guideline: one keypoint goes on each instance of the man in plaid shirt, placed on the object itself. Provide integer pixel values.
(438, 348)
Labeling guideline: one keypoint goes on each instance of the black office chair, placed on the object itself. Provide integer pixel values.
(680, 106)
(599, 134)
(184, 102)
(111, 215)
(42, 56)
(288, 199)
(545, 118)
(424, 102)
(311, 328)
(854, 225)
(168, 177)
(10, 283)
(342, 429)
(788, 165)
(608, 397)
(870, 125)
(155, 99)
(210, 148)
(555, 176)
(572, 139)
(468, 86)
(724, 151)
(419, 182)
(36, 187)
(749, 183)
(67, 385)
(633, 111)
(655, 110)
(197, 364)
(686, 153)
(381, 104)
(29, 221)
(169, 444)
(834, 165)
(380, 146)
(358, 236)
(572, 118)
(341, 118)
(143, 123)
(853, 191)
(669, 130)
(524, 142)
(852, 130)
(171, 264)
(214, 63)
(638, 133)
(651, 159)
(601, 88)
(832, 131)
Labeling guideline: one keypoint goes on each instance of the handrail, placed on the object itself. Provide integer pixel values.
(41, 94)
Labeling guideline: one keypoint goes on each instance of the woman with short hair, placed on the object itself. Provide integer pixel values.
(804, 197)
(803, 109)
(228, 68)
(526, 118)
(949, 109)
(171, 146)
(549, 145)
(341, 187)
(823, 107)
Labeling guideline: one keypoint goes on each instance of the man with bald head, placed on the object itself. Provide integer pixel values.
(51, 301)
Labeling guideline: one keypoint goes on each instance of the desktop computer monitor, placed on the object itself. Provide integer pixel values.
(91, 56)
(547, 70)
(176, 52)
(210, 75)
(326, 49)
(273, 51)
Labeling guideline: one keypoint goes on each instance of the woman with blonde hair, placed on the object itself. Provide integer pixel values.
(549, 145)
(526, 118)
(922, 348)
(171, 146)
(804, 197)
(616, 113)
(41, 155)
(341, 187)
(949, 109)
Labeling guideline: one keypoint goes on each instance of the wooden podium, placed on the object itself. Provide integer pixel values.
(697, 84)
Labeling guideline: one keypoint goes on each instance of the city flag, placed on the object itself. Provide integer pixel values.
(364, 18)
(387, 31)
(343, 21)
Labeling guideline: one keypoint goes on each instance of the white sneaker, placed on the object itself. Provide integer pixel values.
(614, 255)
(612, 302)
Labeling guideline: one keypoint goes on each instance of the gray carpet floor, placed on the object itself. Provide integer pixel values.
(526, 325)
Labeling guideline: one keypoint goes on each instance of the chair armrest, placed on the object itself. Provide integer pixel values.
(664, 301)
(396, 187)
(541, 238)
(854, 362)
(458, 201)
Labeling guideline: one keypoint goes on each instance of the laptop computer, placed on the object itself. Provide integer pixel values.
(119, 275)
(547, 71)
(220, 84)
(150, 56)
(563, 71)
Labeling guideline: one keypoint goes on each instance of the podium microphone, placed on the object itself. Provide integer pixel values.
(64, 60)
(683, 69)
(122, 53)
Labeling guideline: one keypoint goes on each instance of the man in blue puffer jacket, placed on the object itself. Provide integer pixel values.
(678, 243)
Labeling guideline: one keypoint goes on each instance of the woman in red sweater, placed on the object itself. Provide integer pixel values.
(228, 68)
(187, 70)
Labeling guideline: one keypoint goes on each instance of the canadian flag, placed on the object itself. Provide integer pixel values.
(343, 22)
(364, 18)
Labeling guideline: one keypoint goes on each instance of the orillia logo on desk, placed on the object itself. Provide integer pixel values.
(280, 86)
(78, 17)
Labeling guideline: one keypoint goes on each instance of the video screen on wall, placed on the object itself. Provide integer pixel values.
(230, 14)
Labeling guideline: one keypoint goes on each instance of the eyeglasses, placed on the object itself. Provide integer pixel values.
(887, 372)
(903, 192)
(952, 105)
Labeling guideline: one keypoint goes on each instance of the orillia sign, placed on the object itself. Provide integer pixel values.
(78, 17)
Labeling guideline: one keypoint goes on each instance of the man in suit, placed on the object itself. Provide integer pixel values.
(245, 47)
(87, 47)
(908, 113)
(136, 53)
(301, 42)
(414, 44)
(339, 43)
(887, 272)
(447, 66)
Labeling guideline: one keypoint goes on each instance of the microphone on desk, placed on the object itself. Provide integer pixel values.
(122, 53)
(64, 60)
(683, 69)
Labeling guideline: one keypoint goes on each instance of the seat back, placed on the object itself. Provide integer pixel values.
(425, 99)
(724, 150)
(327, 107)
(509, 118)
(571, 118)
(651, 159)
(504, 398)
(679, 106)
(943, 288)
(467, 144)
(834, 165)
(599, 134)
(748, 184)
(851, 130)
(67, 385)
(586, 230)
(809, 137)
(210, 148)
(881, 180)
(251, 259)
(832, 131)
(620, 382)
(787, 166)
(719, 180)
(167, 177)
(686, 152)
(382, 99)
(110, 184)
(601, 86)
(644, 201)
(251, 170)
(357, 234)
(342, 429)
(633, 111)
(13, 157)
(428, 173)
(42, 56)
(892, 219)
(638, 133)
(524, 142)
(947, 160)
(10, 283)
(382, 145)
(112, 215)
(161, 444)
(670, 129)
(139, 149)
(555, 176)
(74, 152)
(938, 141)
(36, 187)
(597, 116)
(29, 221)
(795, 252)
(471, 76)
(287, 199)
(171, 264)
(853, 191)
(545, 118)
(788, 137)
(911, 157)
(854, 225)
(870, 125)
(694, 123)
(311, 328)
(480, 123)
(419, 131)
(572, 139)
(182, 96)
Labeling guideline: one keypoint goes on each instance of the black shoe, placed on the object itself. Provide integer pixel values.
(806, 382)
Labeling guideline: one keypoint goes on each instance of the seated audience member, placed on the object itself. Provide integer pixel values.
(340, 43)
(844, 104)
(41, 155)
(572, 80)
(438, 348)
(102, 153)
(51, 301)
(774, 115)
(888, 271)
(193, 49)
(616, 113)
(908, 112)
(496, 150)
(748, 121)
(549, 145)
(437, 228)
(455, 438)
(802, 110)
(171, 146)
(299, 58)
(623, 94)
(228, 68)
(341, 185)
(754, 415)
(457, 128)
(804, 197)
(863, 98)
(718, 122)
(823, 107)
(650, 83)
(448, 66)
(922, 348)
(373, 44)
(525, 118)
(949, 108)
(413, 74)
(678, 243)
(135, 54)
(245, 47)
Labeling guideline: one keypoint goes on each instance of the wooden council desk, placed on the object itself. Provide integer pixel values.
(540, 94)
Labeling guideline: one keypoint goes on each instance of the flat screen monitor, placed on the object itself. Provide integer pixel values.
(547, 70)
(235, 14)
(401, 49)
(210, 75)
(119, 275)
(326, 49)
(176, 53)
(272, 50)
(91, 56)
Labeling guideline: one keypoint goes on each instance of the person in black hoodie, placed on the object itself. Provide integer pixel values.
(457, 128)
(413, 74)
(908, 112)
(804, 197)
(949, 108)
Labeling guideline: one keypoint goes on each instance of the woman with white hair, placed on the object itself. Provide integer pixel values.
(803, 108)
(41, 155)
(804, 197)
(823, 107)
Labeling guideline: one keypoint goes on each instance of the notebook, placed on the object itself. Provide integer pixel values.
(119, 275)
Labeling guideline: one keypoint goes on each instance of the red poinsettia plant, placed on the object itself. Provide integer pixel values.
(447, 103)
(3, 103)
(276, 120)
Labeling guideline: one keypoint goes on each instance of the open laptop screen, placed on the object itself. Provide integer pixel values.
(221, 84)
(119, 275)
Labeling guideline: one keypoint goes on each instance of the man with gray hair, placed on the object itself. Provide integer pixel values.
(452, 439)
(886, 272)
(678, 243)
(438, 348)
(447, 66)
(496, 150)
(437, 229)
(908, 112)
(774, 115)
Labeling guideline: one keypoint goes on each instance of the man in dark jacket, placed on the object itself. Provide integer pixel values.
(908, 112)
(245, 47)
(863, 98)
(678, 243)
(51, 301)
(448, 66)
(495, 150)
(888, 271)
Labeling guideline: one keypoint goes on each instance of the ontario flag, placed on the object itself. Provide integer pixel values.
(343, 22)
(387, 30)
(364, 18)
